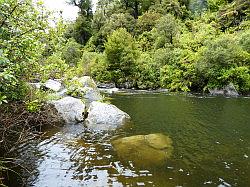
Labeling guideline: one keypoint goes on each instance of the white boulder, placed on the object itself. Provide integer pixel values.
(71, 109)
(53, 85)
(102, 116)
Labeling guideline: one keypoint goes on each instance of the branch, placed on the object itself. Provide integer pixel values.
(7, 17)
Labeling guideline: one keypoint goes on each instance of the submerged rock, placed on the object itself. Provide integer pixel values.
(151, 150)
(228, 90)
(102, 116)
(53, 85)
(71, 109)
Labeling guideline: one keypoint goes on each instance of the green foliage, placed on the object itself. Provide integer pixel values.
(21, 44)
(148, 72)
(173, 7)
(80, 30)
(147, 21)
(224, 61)
(214, 5)
(244, 40)
(234, 13)
(121, 53)
(179, 73)
(33, 106)
(87, 61)
(75, 88)
(84, 6)
(167, 30)
(71, 52)
(53, 67)
(3, 99)
(117, 21)
(148, 43)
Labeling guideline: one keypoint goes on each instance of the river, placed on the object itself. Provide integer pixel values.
(210, 137)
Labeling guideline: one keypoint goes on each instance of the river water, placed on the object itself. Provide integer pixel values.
(210, 136)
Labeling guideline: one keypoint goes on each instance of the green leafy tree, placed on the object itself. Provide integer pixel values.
(121, 54)
(167, 29)
(116, 21)
(147, 22)
(174, 7)
(80, 30)
(22, 30)
(85, 7)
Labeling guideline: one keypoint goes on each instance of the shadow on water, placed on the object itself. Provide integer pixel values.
(210, 137)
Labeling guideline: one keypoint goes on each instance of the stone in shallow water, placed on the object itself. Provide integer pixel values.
(228, 90)
(151, 150)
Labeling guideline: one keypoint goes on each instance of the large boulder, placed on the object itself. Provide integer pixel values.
(228, 90)
(71, 109)
(102, 116)
(53, 85)
(151, 150)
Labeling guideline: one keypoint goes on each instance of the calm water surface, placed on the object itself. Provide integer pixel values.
(210, 136)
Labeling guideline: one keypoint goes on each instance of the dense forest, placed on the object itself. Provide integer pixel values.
(179, 45)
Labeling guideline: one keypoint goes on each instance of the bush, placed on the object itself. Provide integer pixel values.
(148, 73)
(223, 61)
(180, 72)
(54, 67)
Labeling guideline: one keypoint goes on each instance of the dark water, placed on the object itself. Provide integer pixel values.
(210, 136)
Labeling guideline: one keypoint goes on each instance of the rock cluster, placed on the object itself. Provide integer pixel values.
(82, 99)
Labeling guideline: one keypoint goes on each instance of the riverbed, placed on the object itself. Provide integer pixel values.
(210, 137)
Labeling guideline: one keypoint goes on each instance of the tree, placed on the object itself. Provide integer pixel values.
(224, 61)
(167, 29)
(85, 7)
(22, 30)
(121, 55)
(137, 6)
(80, 30)
(173, 7)
(147, 21)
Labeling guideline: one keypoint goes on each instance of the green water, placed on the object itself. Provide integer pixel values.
(210, 136)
